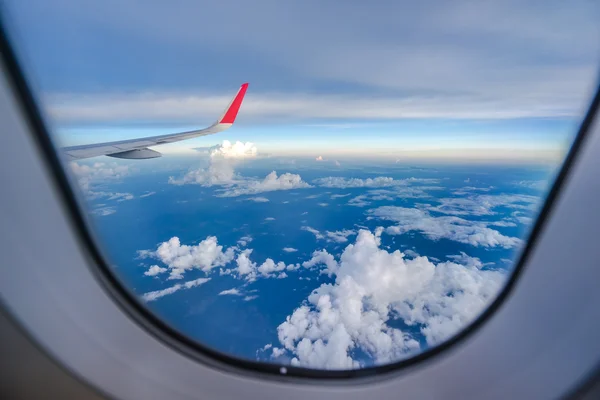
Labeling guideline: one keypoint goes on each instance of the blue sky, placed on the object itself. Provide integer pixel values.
(341, 78)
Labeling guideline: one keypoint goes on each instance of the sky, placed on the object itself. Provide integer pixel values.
(454, 80)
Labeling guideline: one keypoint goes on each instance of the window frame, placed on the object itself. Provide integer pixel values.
(67, 210)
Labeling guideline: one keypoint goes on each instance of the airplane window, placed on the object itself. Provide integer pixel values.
(361, 201)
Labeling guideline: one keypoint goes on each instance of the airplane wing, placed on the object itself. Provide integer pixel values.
(138, 148)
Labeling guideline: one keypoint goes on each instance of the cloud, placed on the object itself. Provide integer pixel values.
(290, 249)
(320, 158)
(373, 287)
(475, 233)
(89, 176)
(232, 292)
(151, 296)
(147, 194)
(337, 163)
(245, 267)
(155, 270)
(380, 181)
(180, 258)
(530, 184)
(484, 204)
(250, 298)
(269, 267)
(314, 231)
(269, 219)
(221, 169)
(339, 196)
(104, 211)
(322, 257)
(359, 201)
(468, 261)
(270, 183)
(323, 204)
(258, 199)
(331, 236)
(236, 150)
(339, 236)
(244, 240)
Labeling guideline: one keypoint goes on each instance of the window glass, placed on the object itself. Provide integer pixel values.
(379, 183)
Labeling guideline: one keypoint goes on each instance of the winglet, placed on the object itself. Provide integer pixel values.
(233, 108)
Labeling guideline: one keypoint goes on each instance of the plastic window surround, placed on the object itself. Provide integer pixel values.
(153, 326)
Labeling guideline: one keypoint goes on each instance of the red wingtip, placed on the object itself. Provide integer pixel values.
(234, 107)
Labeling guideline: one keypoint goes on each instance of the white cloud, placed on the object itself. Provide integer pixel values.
(484, 204)
(250, 298)
(155, 270)
(539, 184)
(339, 196)
(290, 249)
(359, 201)
(104, 211)
(323, 204)
(270, 183)
(232, 292)
(269, 267)
(337, 163)
(258, 199)
(89, 176)
(467, 260)
(314, 231)
(147, 194)
(380, 181)
(151, 296)
(319, 158)
(467, 190)
(373, 286)
(244, 240)
(221, 168)
(179, 258)
(322, 257)
(453, 228)
(269, 219)
(339, 236)
(245, 267)
(236, 150)
(331, 236)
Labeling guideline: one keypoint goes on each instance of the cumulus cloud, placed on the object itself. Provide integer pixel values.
(180, 258)
(235, 150)
(221, 168)
(475, 233)
(151, 296)
(103, 211)
(270, 183)
(322, 257)
(290, 249)
(464, 259)
(155, 270)
(340, 236)
(484, 204)
(339, 196)
(269, 267)
(373, 287)
(380, 181)
(258, 199)
(90, 176)
(231, 292)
